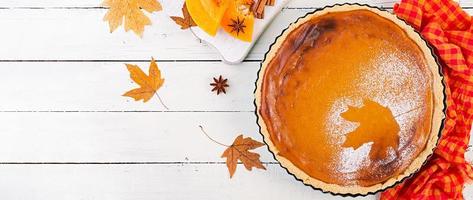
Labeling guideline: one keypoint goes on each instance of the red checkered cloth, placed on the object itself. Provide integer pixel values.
(450, 31)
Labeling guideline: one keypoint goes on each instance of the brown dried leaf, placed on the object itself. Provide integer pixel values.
(185, 22)
(239, 150)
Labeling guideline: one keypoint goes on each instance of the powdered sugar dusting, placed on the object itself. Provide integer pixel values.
(387, 70)
(405, 100)
(351, 158)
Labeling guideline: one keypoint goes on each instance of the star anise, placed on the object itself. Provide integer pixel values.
(238, 25)
(219, 85)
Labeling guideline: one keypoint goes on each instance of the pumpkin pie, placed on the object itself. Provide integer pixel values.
(350, 100)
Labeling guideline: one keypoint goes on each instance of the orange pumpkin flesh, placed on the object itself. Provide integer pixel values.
(207, 14)
(238, 20)
(234, 16)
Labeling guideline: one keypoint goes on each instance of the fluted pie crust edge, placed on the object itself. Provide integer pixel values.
(437, 115)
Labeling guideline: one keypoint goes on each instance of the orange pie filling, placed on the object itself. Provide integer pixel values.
(348, 98)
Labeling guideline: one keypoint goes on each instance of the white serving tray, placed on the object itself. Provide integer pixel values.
(232, 50)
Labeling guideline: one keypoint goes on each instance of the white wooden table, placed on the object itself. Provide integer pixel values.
(67, 133)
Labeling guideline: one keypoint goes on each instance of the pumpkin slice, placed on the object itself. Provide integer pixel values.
(207, 14)
(238, 20)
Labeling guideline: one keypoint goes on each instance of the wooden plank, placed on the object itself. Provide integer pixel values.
(122, 136)
(146, 182)
(95, 3)
(466, 3)
(80, 34)
(133, 181)
(98, 86)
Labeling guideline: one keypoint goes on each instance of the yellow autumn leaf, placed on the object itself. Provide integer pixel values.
(130, 12)
(149, 84)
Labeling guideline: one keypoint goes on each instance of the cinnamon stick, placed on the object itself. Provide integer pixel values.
(258, 8)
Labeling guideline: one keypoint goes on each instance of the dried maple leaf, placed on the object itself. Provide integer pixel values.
(383, 132)
(185, 22)
(219, 85)
(130, 12)
(239, 150)
(149, 84)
